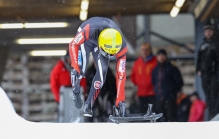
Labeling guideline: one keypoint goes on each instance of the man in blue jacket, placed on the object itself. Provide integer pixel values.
(167, 81)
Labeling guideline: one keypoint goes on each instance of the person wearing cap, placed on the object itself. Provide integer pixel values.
(141, 76)
(167, 81)
(197, 110)
(207, 67)
(60, 76)
(103, 38)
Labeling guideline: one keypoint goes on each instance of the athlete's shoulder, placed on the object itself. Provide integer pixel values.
(97, 21)
(98, 18)
(100, 23)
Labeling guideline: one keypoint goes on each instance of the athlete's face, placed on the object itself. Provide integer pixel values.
(161, 58)
(209, 33)
(145, 50)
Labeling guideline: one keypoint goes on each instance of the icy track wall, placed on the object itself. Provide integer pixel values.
(14, 127)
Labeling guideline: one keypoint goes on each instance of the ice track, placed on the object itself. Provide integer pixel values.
(14, 127)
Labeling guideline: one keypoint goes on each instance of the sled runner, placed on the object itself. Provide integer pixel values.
(149, 116)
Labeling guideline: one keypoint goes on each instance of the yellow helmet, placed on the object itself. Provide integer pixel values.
(109, 42)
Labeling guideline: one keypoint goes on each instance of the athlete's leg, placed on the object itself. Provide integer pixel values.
(101, 63)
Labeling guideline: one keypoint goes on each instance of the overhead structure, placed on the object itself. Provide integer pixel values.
(50, 9)
(206, 9)
(53, 9)
(47, 53)
(33, 25)
(44, 40)
(176, 8)
(38, 24)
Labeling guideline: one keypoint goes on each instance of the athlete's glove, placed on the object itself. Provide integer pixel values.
(75, 81)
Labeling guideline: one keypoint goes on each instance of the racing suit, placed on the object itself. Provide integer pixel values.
(86, 42)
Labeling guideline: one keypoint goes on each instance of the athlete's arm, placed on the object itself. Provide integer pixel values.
(80, 38)
(121, 75)
(73, 49)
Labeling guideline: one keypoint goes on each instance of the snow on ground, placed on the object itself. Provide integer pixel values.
(14, 127)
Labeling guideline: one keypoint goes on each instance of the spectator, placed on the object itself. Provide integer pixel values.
(207, 67)
(197, 109)
(103, 106)
(183, 107)
(141, 76)
(167, 82)
(60, 76)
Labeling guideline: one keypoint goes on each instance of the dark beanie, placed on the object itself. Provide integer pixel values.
(208, 25)
(162, 51)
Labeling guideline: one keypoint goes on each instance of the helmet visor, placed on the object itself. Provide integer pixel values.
(105, 53)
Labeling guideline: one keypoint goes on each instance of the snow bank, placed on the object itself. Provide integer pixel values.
(14, 127)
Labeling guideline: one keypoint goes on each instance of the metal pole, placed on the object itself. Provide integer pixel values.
(25, 81)
(171, 41)
(147, 29)
(4, 51)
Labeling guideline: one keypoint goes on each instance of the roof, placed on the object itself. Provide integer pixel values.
(33, 9)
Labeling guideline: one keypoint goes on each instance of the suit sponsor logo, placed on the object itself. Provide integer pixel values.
(97, 84)
(78, 38)
(74, 54)
(79, 58)
(122, 65)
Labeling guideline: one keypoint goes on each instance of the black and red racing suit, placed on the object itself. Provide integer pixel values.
(86, 42)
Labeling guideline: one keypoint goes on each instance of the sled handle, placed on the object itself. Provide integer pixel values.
(149, 111)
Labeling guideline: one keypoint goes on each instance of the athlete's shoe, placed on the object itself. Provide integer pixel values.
(88, 110)
(120, 110)
(77, 100)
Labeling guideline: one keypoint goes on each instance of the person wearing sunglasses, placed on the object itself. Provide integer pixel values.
(103, 38)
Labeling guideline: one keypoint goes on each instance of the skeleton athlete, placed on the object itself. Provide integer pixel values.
(103, 38)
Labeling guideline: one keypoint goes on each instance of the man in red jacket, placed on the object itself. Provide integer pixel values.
(60, 76)
(197, 109)
(141, 76)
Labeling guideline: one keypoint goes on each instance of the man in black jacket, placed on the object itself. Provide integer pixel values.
(207, 67)
(167, 81)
